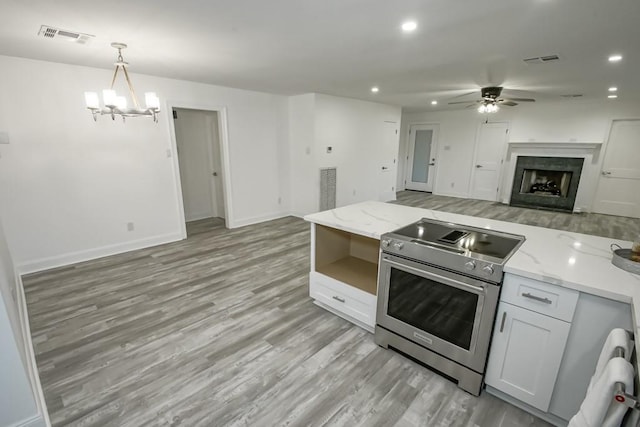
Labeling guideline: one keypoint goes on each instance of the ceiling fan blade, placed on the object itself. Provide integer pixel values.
(521, 99)
(465, 94)
(508, 103)
(463, 102)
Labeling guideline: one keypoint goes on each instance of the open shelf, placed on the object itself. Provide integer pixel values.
(349, 258)
(353, 271)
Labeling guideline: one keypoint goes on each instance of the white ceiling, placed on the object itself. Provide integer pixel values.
(344, 47)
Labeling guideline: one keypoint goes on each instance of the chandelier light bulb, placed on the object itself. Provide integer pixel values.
(109, 97)
(151, 100)
(92, 100)
(482, 108)
(121, 102)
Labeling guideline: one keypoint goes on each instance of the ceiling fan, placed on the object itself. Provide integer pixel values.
(491, 100)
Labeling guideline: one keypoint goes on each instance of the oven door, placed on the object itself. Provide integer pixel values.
(442, 311)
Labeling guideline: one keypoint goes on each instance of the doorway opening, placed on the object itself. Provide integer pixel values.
(201, 171)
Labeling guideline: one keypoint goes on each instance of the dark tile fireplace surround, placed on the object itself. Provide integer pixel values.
(546, 182)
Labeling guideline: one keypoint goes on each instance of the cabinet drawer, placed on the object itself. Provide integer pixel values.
(551, 300)
(343, 298)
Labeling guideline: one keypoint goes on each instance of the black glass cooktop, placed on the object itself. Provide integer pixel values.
(461, 239)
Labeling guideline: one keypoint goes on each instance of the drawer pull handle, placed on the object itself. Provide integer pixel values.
(537, 298)
(337, 298)
(504, 317)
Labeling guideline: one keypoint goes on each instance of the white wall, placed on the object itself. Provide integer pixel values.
(17, 403)
(72, 184)
(544, 122)
(354, 130)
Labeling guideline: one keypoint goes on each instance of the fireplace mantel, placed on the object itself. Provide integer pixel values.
(589, 150)
(564, 144)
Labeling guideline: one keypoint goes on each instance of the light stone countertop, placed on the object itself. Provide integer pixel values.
(572, 260)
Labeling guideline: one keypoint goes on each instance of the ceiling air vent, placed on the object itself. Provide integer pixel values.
(541, 59)
(70, 36)
(549, 58)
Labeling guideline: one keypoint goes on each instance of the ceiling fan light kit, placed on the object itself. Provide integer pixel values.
(115, 104)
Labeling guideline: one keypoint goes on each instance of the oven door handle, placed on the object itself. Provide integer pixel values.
(478, 289)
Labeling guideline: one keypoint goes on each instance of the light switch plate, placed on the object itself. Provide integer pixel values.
(4, 137)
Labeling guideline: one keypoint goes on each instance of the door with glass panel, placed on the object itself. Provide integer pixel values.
(421, 158)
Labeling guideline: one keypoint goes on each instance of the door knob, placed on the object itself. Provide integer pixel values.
(478, 166)
(606, 173)
(384, 168)
(432, 164)
(215, 174)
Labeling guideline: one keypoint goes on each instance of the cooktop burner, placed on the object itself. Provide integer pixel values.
(474, 251)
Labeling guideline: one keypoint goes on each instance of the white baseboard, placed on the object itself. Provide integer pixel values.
(452, 194)
(199, 216)
(35, 421)
(42, 419)
(257, 219)
(41, 264)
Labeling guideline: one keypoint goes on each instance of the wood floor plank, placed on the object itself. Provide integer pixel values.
(219, 329)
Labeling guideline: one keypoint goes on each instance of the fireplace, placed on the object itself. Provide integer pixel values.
(546, 182)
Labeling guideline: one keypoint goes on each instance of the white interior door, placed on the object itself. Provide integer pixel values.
(198, 143)
(421, 159)
(618, 190)
(487, 164)
(388, 162)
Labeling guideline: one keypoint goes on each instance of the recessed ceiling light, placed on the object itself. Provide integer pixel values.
(615, 58)
(375, 89)
(434, 102)
(409, 26)
(613, 89)
(612, 96)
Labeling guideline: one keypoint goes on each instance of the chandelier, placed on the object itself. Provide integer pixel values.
(115, 104)
(488, 106)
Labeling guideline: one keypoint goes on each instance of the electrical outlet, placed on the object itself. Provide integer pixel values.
(354, 192)
(307, 150)
(279, 200)
(130, 226)
(453, 184)
(329, 150)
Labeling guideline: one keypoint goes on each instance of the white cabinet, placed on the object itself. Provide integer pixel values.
(344, 274)
(529, 339)
(526, 352)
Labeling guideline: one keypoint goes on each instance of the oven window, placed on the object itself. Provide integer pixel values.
(433, 307)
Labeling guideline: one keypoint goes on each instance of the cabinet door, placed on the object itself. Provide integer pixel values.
(526, 352)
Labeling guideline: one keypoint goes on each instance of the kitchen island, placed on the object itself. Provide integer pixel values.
(577, 265)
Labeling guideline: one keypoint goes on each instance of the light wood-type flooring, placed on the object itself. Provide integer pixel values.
(219, 330)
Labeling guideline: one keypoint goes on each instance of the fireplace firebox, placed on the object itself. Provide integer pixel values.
(546, 182)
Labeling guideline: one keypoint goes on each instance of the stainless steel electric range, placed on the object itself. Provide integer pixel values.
(438, 289)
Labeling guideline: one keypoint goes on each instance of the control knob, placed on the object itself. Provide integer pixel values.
(398, 245)
(488, 270)
(470, 265)
(386, 242)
